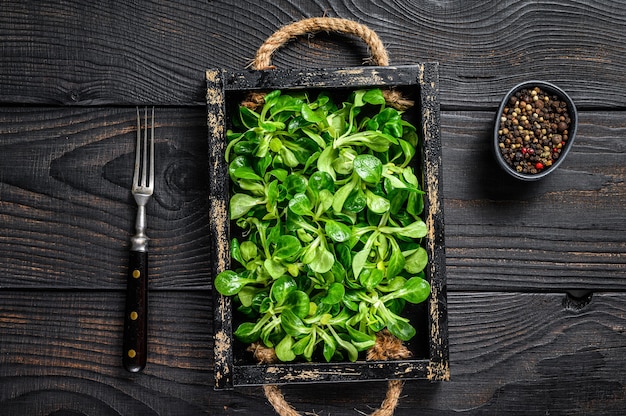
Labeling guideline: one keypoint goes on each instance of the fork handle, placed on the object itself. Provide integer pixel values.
(136, 318)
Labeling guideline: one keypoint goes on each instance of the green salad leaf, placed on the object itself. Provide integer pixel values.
(326, 209)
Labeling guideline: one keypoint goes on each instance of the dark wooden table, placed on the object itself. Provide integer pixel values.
(536, 271)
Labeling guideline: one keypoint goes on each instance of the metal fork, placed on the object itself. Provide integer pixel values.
(136, 318)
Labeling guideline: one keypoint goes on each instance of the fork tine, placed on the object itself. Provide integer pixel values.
(144, 171)
(144, 153)
(152, 151)
(137, 151)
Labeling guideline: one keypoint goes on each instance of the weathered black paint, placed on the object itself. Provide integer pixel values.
(419, 82)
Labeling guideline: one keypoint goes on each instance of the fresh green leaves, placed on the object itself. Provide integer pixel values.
(327, 212)
(369, 168)
(230, 283)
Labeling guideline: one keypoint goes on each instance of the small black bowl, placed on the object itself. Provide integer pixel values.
(545, 141)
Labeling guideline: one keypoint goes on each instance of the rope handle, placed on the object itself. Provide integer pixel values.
(320, 24)
(263, 58)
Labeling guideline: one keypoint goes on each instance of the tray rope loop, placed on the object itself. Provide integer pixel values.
(387, 347)
(287, 33)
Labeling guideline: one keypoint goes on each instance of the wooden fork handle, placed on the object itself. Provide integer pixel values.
(136, 318)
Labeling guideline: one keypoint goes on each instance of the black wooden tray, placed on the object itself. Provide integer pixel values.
(430, 351)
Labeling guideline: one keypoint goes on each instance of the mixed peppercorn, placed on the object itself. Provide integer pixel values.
(533, 130)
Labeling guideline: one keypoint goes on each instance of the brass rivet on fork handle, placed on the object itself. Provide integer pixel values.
(136, 316)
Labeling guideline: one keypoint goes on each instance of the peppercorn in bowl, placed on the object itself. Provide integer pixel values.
(534, 129)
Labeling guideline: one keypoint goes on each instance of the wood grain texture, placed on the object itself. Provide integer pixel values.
(60, 352)
(564, 232)
(75, 53)
(511, 353)
(65, 202)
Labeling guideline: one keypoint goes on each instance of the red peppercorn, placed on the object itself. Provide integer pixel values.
(539, 165)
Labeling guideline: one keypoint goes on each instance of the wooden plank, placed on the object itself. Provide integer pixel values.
(67, 211)
(219, 226)
(567, 231)
(114, 53)
(304, 78)
(61, 352)
(510, 353)
(65, 203)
